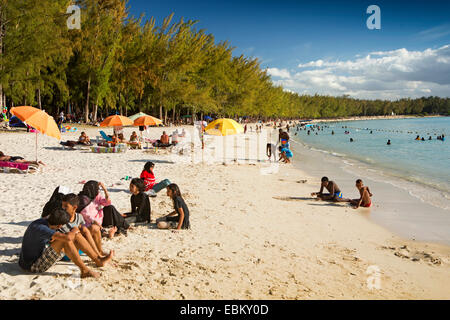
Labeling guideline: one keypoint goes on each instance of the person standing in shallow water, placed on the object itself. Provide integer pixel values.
(389, 142)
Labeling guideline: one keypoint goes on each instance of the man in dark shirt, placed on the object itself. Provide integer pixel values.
(334, 194)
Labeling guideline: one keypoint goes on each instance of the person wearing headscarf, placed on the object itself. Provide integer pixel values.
(96, 208)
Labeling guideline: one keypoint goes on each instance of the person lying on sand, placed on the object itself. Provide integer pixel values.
(140, 202)
(334, 194)
(178, 219)
(365, 199)
(43, 246)
(92, 234)
(4, 157)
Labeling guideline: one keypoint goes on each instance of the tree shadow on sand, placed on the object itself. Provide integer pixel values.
(154, 161)
(11, 240)
(12, 269)
(21, 223)
(10, 252)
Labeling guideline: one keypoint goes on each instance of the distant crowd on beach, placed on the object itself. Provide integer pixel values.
(72, 224)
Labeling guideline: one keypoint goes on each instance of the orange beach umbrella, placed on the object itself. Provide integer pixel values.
(39, 120)
(147, 121)
(116, 121)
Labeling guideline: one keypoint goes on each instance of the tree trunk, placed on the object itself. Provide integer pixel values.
(94, 113)
(173, 114)
(86, 108)
(39, 98)
(165, 115)
(160, 110)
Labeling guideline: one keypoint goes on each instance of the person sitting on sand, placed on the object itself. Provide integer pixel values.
(134, 141)
(84, 139)
(164, 138)
(178, 219)
(334, 194)
(140, 203)
(148, 176)
(43, 246)
(17, 159)
(285, 154)
(98, 210)
(92, 234)
(365, 196)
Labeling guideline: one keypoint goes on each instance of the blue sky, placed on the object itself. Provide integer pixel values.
(287, 34)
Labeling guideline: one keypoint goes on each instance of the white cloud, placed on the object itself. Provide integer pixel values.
(279, 73)
(378, 75)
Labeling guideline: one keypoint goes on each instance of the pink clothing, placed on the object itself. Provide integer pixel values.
(94, 211)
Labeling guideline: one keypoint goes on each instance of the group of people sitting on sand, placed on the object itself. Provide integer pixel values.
(72, 222)
(334, 194)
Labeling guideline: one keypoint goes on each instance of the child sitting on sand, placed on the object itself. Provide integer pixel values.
(43, 246)
(151, 187)
(92, 234)
(285, 154)
(365, 196)
(178, 219)
(140, 203)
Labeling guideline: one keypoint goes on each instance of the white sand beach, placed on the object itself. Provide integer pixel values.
(249, 238)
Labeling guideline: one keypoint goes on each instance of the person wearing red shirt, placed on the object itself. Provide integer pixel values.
(151, 187)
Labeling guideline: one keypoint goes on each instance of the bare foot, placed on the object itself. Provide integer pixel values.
(105, 260)
(112, 232)
(89, 274)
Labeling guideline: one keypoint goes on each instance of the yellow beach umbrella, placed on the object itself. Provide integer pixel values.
(224, 127)
(39, 120)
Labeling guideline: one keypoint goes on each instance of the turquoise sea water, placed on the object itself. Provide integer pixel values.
(421, 167)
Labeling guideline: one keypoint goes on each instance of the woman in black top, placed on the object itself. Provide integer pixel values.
(178, 219)
(140, 202)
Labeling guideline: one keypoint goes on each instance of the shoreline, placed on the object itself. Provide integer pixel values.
(249, 239)
(376, 118)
